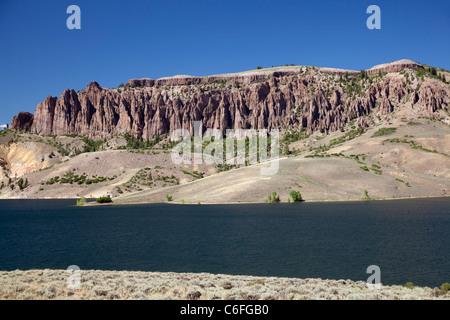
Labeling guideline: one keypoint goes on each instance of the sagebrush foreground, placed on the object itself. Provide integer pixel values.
(124, 285)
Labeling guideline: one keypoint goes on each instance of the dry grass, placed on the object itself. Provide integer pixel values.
(124, 285)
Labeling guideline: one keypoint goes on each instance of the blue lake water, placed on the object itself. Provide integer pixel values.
(408, 239)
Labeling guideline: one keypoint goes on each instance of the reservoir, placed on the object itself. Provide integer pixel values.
(407, 239)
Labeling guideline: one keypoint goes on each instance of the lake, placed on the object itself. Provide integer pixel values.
(408, 239)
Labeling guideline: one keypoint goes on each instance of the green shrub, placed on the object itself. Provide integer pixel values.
(80, 202)
(195, 174)
(409, 285)
(296, 196)
(273, 198)
(106, 199)
(445, 288)
(384, 132)
(168, 197)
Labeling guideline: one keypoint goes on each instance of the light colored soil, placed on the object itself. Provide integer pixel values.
(124, 285)
(387, 170)
(404, 172)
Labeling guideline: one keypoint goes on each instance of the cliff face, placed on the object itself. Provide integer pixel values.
(23, 121)
(302, 97)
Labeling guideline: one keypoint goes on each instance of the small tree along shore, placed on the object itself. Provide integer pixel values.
(296, 196)
(106, 199)
(273, 198)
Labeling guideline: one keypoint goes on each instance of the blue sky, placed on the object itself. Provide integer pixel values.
(120, 40)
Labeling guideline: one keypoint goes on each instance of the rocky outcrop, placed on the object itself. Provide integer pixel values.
(23, 121)
(302, 98)
(241, 78)
(394, 66)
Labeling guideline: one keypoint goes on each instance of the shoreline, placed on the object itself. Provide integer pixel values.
(93, 203)
(46, 284)
(283, 202)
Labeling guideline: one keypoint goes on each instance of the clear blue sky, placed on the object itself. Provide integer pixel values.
(120, 40)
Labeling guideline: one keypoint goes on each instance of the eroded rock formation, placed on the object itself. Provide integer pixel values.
(302, 97)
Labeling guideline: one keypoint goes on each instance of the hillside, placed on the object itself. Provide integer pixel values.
(345, 135)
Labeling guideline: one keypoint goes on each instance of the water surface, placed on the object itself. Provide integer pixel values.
(407, 239)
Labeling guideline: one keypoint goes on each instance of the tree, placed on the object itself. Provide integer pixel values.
(296, 196)
(106, 199)
(273, 198)
(80, 202)
(286, 149)
(433, 71)
(363, 74)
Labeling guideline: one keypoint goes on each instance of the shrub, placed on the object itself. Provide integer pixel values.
(106, 199)
(286, 150)
(384, 132)
(195, 174)
(366, 194)
(80, 202)
(445, 288)
(296, 196)
(273, 198)
(168, 197)
(409, 285)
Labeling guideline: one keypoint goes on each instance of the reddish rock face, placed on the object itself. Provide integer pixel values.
(23, 121)
(312, 100)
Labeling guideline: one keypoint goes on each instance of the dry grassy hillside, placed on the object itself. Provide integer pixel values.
(384, 153)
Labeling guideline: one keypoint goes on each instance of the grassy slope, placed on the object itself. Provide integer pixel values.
(394, 170)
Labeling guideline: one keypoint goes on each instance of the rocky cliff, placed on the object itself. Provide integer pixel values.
(293, 97)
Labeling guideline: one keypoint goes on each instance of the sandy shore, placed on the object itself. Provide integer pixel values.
(265, 202)
(124, 285)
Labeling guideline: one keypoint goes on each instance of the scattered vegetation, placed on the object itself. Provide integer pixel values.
(195, 174)
(70, 177)
(352, 134)
(273, 198)
(106, 199)
(226, 167)
(445, 289)
(80, 202)
(409, 285)
(145, 178)
(22, 184)
(122, 285)
(293, 136)
(295, 196)
(139, 143)
(413, 145)
(431, 72)
(91, 145)
(384, 132)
